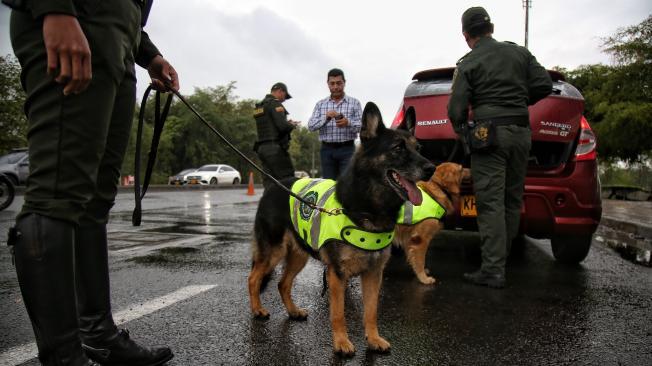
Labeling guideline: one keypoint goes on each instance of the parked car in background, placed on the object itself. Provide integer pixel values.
(15, 166)
(301, 174)
(180, 178)
(214, 174)
(562, 189)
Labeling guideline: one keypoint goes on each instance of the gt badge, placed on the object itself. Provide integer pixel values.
(481, 133)
(306, 210)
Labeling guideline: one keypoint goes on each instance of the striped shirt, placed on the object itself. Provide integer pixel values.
(328, 131)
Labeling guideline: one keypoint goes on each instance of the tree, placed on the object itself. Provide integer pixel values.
(13, 123)
(619, 97)
(187, 143)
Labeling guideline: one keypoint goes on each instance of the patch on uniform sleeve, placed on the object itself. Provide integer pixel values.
(259, 112)
(454, 77)
(279, 109)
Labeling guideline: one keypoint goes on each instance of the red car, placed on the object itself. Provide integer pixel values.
(562, 189)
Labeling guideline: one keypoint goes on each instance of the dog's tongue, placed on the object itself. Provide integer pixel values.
(414, 193)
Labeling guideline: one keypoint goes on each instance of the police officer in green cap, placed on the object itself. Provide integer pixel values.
(274, 130)
(77, 59)
(499, 80)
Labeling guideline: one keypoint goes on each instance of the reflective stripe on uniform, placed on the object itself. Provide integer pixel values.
(315, 230)
(429, 209)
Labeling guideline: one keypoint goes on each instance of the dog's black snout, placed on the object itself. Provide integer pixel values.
(428, 171)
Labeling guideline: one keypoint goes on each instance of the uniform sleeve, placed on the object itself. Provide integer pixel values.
(539, 82)
(458, 104)
(279, 117)
(146, 50)
(317, 120)
(356, 116)
(42, 8)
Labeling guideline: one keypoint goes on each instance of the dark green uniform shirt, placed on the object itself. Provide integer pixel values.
(146, 49)
(271, 121)
(498, 79)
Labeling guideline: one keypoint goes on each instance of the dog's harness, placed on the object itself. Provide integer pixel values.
(317, 228)
(429, 209)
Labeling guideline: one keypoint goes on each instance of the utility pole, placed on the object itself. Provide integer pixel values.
(527, 4)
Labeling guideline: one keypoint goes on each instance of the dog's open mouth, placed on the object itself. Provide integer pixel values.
(406, 189)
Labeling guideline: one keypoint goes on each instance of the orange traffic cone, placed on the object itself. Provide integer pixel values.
(250, 188)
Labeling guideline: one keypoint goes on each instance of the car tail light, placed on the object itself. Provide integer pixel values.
(587, 144)
(400, 114)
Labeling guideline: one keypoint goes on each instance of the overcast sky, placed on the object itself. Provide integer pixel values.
(379, 44)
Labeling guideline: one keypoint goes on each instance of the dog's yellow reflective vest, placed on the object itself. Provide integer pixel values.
(316, 227)
(429, 209)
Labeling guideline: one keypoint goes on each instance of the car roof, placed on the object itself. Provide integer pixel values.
(447, 73)
(217, 165)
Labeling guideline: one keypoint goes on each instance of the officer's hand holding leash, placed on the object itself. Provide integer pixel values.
(164, 76)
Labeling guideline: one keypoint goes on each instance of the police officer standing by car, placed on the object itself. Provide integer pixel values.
(499, 80)
(274, 130)
(77, 60)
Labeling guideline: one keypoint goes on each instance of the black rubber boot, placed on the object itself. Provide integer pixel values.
(103, 342)
(44, 258)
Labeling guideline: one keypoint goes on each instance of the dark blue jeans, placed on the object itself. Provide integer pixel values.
(334, 160)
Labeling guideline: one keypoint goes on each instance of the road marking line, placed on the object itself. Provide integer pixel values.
(19, 354)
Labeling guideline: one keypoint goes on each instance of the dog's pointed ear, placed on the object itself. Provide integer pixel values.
(372, 122)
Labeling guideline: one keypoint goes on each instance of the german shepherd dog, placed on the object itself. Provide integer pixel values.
(443, 187)
(381, 176)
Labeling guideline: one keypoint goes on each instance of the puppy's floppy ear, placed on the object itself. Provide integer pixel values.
(372, 122)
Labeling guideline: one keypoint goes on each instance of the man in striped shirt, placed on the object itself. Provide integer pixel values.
(338, 119)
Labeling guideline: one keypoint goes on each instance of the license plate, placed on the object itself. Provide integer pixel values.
(468, 208)
(193, 181)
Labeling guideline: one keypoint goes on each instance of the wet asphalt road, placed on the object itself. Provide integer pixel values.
(597, 313)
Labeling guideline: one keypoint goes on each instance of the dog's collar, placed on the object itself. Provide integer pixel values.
(317, 228)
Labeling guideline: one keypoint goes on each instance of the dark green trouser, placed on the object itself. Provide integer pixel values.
(498, 179)
(276, 161)
(77, 142)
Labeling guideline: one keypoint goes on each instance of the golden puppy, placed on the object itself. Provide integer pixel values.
(414, 235)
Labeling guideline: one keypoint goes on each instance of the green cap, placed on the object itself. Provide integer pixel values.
(474, 17)
(283, 87)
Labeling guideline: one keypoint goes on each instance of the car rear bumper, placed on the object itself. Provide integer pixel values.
(564, 204)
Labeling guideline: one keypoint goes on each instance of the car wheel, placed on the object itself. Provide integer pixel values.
(517, 249)
(12, 179)
(7, 193)
(236, 180)
(213, 181)
(571, 249)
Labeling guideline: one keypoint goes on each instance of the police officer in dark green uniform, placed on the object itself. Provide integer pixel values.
(499, 80)
(274, 131)
(77, 59)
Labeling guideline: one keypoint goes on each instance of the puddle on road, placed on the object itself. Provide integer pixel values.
(631, 247)
(165, 255)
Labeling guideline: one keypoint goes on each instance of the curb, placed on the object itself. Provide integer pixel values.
(636, 229)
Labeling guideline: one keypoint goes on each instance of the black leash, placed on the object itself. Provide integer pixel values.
(159, 121)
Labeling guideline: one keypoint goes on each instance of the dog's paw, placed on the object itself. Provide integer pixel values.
(344, 347)
(261, 313)
(298, 314)
(427, 280)
(378, 344)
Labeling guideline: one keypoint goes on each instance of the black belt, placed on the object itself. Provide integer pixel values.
(337, 144)
(523, 121)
